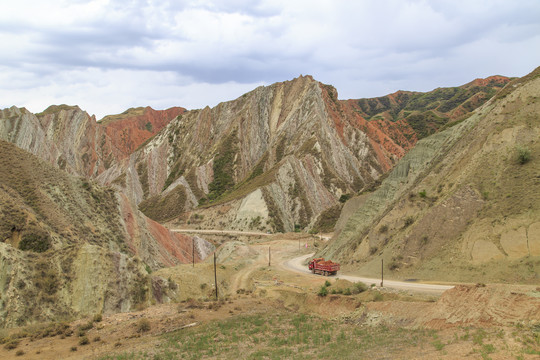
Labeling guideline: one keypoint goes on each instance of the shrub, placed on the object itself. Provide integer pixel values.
(327, 283)
(359, 287)
(97, 318)
(409, 220)
(347, 291)
(19, 353)
(523, 154)
(383, 229)
(84, 341)
(422, 193)
(11, 344)
(87, 326)
(73, 348)
(323, 291)
(343, 198)
(36, 240)
(143, 325)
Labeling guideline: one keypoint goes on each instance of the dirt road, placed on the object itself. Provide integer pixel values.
(297, 265)
(221, 232)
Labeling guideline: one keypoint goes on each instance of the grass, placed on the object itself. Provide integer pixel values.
(280, 335)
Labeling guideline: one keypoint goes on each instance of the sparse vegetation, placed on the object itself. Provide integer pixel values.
(163, 208)
(323, 291)
(224, 167)
(327, 219)
(35, 239)
(280, 335)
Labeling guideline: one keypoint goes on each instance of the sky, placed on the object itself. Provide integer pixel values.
(109, 55)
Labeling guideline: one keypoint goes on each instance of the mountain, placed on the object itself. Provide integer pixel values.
(462, 205)
(281, 157)
(67, 137)
(70, 247)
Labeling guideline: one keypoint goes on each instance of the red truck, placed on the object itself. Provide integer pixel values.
(323, 267)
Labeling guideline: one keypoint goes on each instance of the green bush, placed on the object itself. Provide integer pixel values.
(359, 287)
(36, 240)
(327, 283)
(323, 291)
(523, 154)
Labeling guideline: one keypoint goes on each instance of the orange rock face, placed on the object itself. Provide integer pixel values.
(129, 132)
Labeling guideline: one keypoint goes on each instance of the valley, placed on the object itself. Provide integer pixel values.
(109, 229)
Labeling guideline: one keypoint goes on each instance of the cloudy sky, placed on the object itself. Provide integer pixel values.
(109, 55)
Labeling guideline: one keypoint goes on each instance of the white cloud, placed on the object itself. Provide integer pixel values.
(107, 55)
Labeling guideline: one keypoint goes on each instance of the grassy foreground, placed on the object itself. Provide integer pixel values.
(278, 336)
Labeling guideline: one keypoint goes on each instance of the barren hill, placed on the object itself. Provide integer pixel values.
(71, 247)
(462, 205)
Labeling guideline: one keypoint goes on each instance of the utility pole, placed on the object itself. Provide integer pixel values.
(382, 272)
(215, 275)
(269, 256)
(193, 250)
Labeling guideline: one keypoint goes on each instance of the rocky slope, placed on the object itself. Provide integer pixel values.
(462, 205)
(134, 126)
(70, 247)
(70, 139)
(282, 156)
(278, 158)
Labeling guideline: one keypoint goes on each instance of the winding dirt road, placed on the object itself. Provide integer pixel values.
(297, 265)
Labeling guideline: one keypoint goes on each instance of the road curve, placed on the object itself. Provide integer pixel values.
(297, 265)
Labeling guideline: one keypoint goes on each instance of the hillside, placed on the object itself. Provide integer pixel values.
(462, 205)
(70, 139)
(280, 157)
(70, 247)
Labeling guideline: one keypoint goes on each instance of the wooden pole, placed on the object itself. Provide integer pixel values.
(215, 276)
(193, 250)
(382, 272)
(269, 256)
